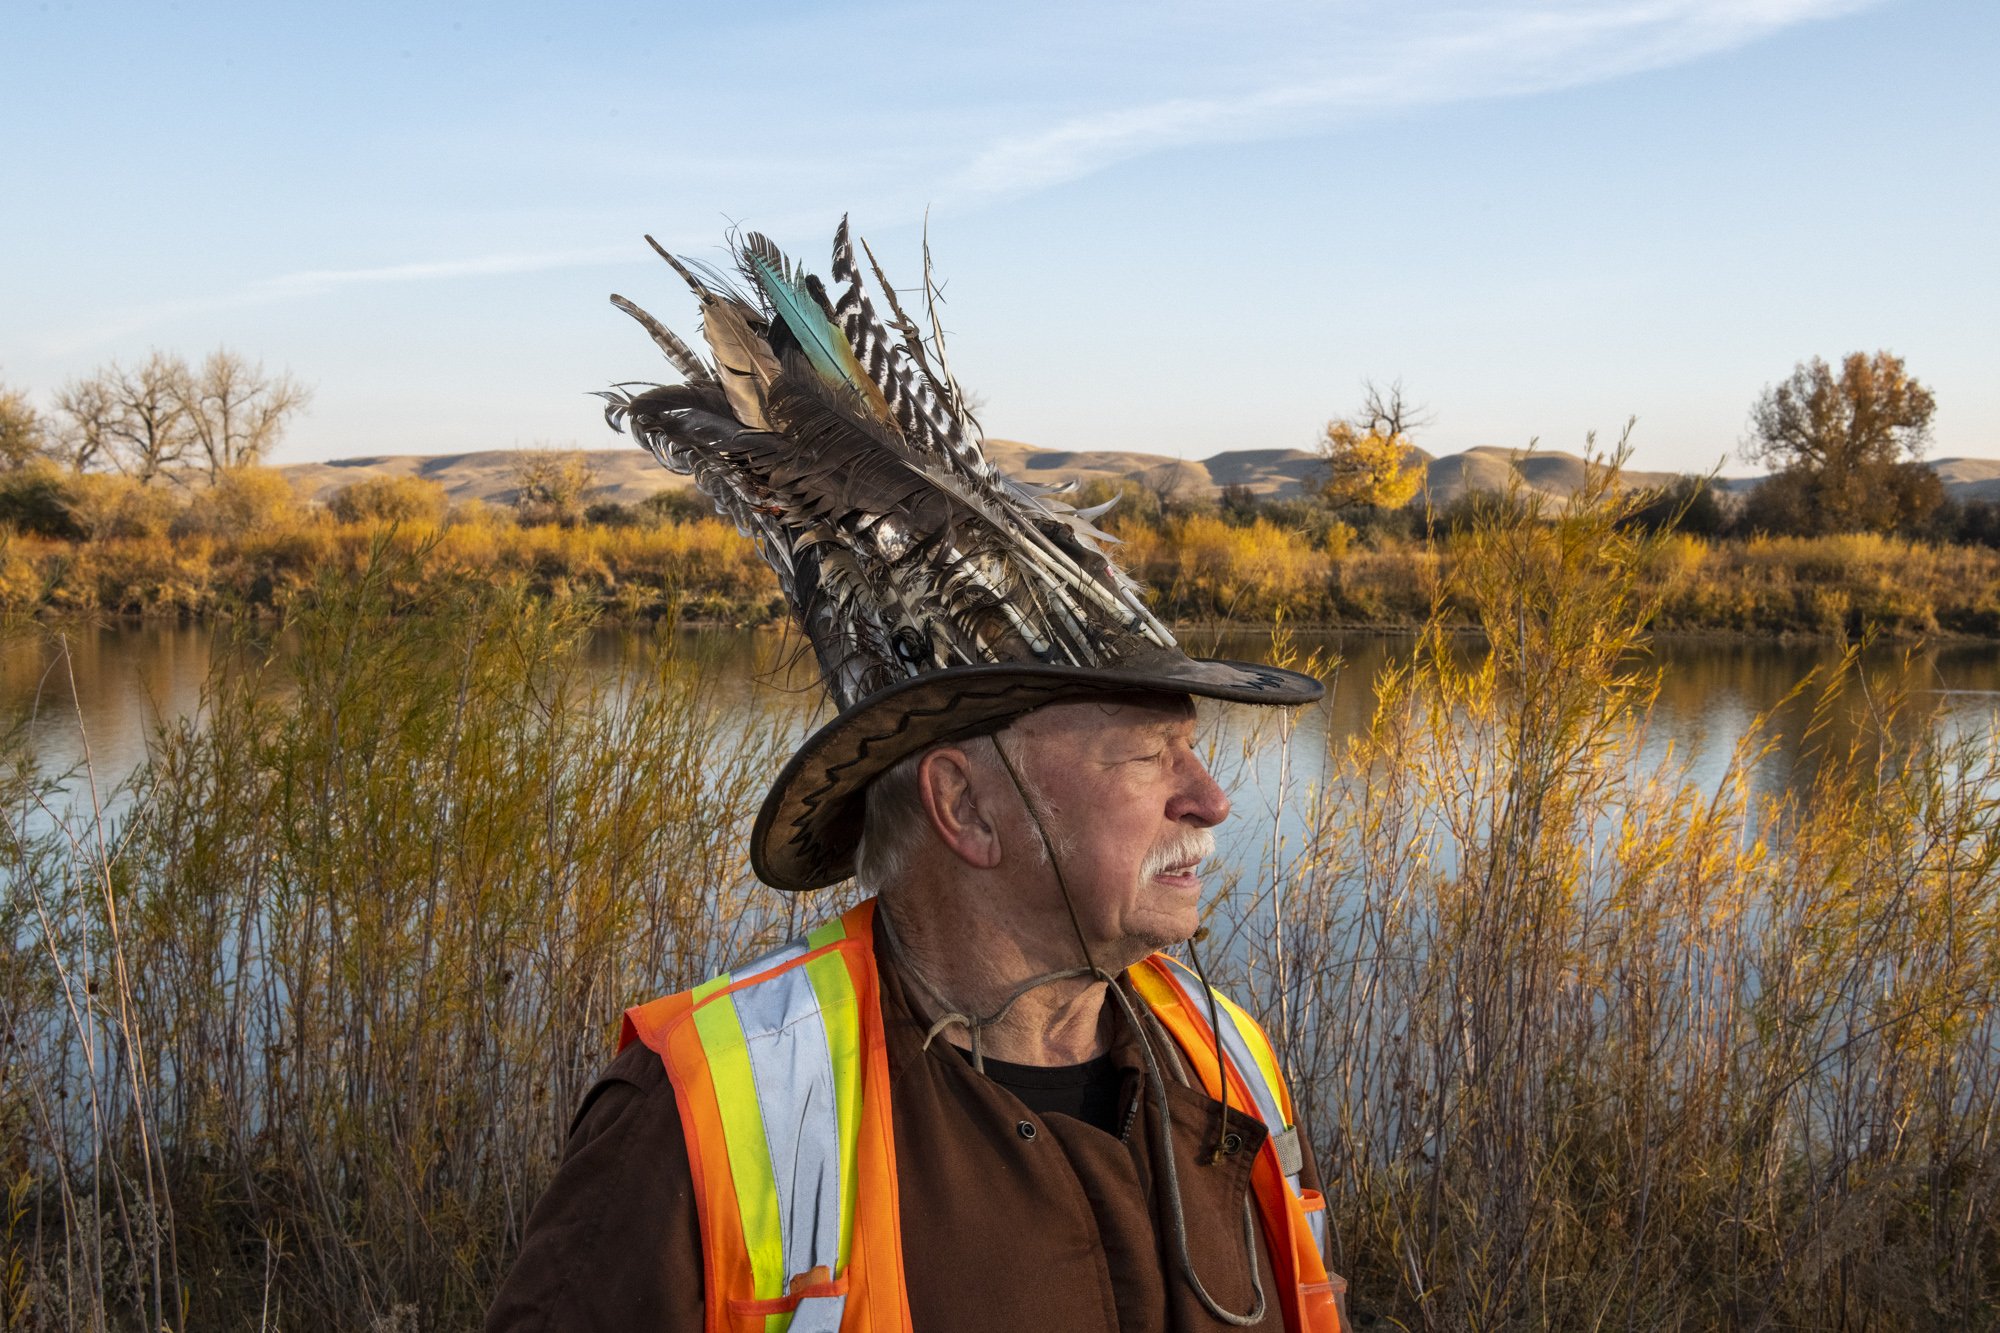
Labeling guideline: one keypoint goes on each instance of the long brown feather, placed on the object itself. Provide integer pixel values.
(691, 367)
(743, 361)
(899, 546)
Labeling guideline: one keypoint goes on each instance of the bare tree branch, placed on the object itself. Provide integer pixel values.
(234, 411)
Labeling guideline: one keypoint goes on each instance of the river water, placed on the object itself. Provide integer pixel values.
(98, 692)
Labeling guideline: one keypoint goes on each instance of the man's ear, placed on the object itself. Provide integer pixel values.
(946, 785)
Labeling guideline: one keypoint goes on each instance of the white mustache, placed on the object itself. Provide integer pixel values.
(1191, 848)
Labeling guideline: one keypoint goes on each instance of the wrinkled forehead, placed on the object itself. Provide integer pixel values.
(1132, 711)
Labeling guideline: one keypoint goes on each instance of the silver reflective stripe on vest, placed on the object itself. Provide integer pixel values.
(819, 1314)
(779, 956)
(1284, 1137)
(1291, 1158)
(1238, 1051)
(786, 1037)
(788, 1058)
(1291, 1161)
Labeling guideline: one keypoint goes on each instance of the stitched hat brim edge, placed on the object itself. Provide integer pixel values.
(810, 822)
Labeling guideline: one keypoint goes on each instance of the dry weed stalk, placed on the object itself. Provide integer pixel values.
(297, 1041)
(1582, 1045)
(1585, 1045)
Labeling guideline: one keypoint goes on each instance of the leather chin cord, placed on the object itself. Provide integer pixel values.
(1156, 1083)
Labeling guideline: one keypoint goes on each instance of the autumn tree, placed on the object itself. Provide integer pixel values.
(1370, 459)
(134, 420)
(1843, 448)
(23, 438)
(234, 411)
(390, 500)
(144, 421)
(84, 414)
(551, 485)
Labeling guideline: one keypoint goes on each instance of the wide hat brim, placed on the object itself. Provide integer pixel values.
(810, 824)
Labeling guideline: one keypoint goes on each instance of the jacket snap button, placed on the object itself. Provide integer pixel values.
(1026, 1129)
(1232, 1143)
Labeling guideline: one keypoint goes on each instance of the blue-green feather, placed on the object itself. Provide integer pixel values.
(819, 337)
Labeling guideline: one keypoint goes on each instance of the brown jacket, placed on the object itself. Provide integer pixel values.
(1011, 1221)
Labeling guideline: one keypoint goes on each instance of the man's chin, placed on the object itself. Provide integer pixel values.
(1171, 925)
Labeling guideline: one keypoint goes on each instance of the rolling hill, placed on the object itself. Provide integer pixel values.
(629, 475)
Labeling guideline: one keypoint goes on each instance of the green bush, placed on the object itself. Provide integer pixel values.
(684, 505)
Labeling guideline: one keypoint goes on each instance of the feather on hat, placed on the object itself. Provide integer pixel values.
(941, 596)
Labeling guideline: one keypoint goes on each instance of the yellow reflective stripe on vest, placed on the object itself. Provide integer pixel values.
(842, 1010)
(1259, 1045)
(784, 1055)
(728, 1052)
(1247, 1048)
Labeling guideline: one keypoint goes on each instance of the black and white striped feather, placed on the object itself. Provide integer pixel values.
(899, 547)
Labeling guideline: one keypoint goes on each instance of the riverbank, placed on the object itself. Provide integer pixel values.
(1582, 1035)
(1199, 570)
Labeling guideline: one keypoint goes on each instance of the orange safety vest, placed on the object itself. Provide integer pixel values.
(793, 1069)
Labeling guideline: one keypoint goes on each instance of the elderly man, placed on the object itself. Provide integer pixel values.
(982, 1099)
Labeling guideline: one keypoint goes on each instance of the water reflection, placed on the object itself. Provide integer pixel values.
(112, 685)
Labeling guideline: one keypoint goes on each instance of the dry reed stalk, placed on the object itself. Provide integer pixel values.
(1580, 1043)
(1584, 1045)
(305, 1033)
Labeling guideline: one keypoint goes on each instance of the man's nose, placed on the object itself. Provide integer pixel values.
(1201, 797)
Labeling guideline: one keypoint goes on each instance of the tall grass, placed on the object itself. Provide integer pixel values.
(293, 1041)
(1584, 1045)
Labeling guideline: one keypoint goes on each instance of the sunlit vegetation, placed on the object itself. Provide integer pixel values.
(293, 1040)
(105, 544)
(1587, 1044)
(247, 546)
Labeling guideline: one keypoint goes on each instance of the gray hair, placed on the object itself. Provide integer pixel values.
(892, 825)
(893, 822)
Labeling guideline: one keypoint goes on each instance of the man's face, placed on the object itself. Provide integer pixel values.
(1127, 803)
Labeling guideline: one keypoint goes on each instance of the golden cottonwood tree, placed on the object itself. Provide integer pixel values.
(1843, 447)
(1370, 460)
(22, 438)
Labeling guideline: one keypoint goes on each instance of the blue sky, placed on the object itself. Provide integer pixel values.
(1174, 227)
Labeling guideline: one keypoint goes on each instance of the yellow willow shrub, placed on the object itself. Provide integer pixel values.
(21, 586)
(705, 560)
(1197, 567)
(1205, 568)
(1394, 585)
(296, 1040)
(274, 567)
(1680, 559)
(140, 574)
(1840, 585)
(1583, 1043)
(703, 566)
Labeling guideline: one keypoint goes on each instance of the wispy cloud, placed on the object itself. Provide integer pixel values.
(305, 284)
(1382, 56)
(317, 282)
(1500, 50)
